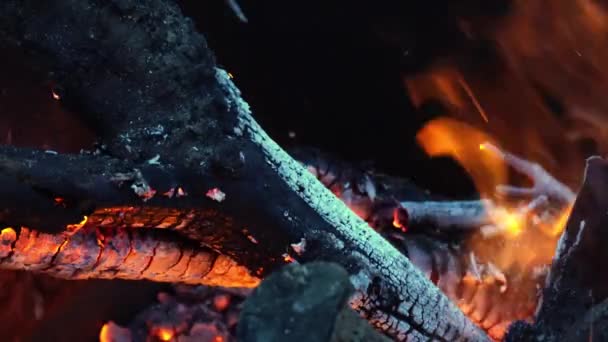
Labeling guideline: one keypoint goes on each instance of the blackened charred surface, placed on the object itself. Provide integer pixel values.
(139, 71)
(299, 302)
(574, 284)
(49, 192)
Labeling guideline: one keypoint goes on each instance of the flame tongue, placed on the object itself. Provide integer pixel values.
(463, 142)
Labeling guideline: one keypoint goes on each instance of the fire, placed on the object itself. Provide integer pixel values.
(111, 332)
(75, 227)
(288, 258)
(400, 218)
(104, 333)
(164, 334)
(9, 233)
(221, 302)
(528, 234)
(514, 224)
(464, 142)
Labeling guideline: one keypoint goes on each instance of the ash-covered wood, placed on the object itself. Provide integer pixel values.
(576, 286)
(304, 303)
(144, 79)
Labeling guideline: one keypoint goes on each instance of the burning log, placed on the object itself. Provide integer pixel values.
(118, 253)
(177, 135)
(436, 236)
(575, 291)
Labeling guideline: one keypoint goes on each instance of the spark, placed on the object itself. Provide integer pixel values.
(476, 103)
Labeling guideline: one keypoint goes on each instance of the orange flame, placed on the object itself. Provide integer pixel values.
(75, 227)
(104, 334)
(511, 223)
(463, 142)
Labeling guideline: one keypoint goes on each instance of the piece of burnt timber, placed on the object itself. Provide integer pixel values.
(304, 303)
(144, 79)
(576, 286)
(100, 253)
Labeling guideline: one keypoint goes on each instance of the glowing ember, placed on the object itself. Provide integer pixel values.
(111, 332)
(216, 194)
(400, 218)
(7, 237)
(164, 334)
(8, 233)
(77, 226)
(221, 302)
(288, 258)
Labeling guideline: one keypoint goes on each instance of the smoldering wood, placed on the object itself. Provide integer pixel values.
(576, 290)
(144, 79)
(91, 252)
(190, 313)
(377, 195)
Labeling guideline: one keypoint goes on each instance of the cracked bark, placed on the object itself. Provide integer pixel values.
(573, 305)
(168, 119)
(118, 254)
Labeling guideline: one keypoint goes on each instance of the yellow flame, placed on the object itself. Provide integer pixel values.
(556, 228)
(513, 223)
(8, 231)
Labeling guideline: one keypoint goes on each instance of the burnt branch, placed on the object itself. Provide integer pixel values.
(544, 183)
(446, 214)
(144, 79)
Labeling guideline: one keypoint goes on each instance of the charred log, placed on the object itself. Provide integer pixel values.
(304, 302)
(145, 80)
(575, 291)
(118, 253)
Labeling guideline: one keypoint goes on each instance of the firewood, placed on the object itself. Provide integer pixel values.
(304, 302)
(171, 122)
(118, 253)
(576, 288)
